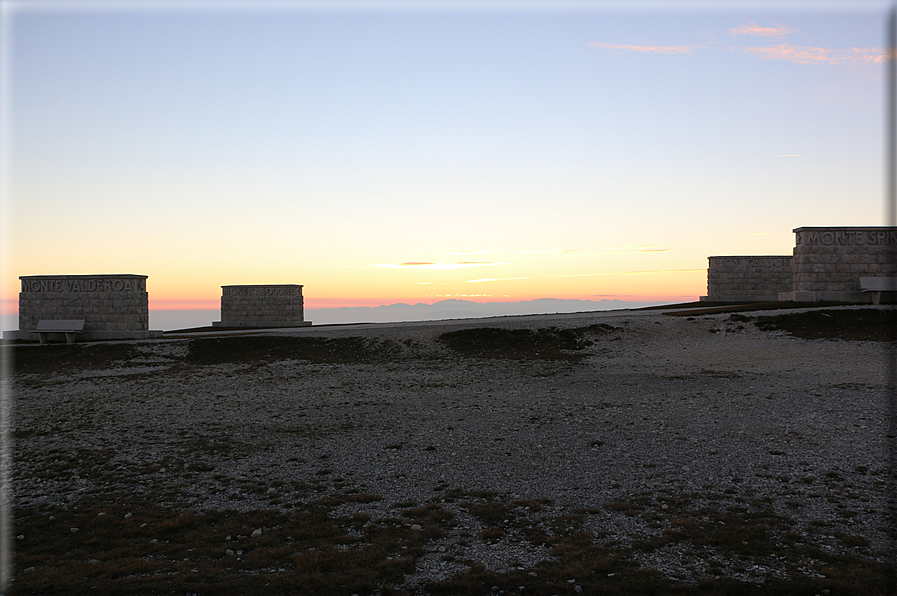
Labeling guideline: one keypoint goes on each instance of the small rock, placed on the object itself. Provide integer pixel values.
(154, 541)
(101, 514)
(73, 530)
(20, 537)
(577, 589)
(93, 562)
(571, 581)
(256, 533)
(416, 528)
(129, 515)
(52, 517)
(28, 570)
(228, 539)
(229, 552)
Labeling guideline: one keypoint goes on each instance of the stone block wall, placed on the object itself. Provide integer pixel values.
(747, 279)
(104, 302)
(829, 261)
(279, 305)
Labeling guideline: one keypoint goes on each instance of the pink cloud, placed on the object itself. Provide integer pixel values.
(754, 29)
(647, 49)
(809, 55)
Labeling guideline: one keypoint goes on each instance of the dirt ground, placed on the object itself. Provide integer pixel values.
(704, 452)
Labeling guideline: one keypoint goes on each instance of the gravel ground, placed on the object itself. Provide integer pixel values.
(659, 407)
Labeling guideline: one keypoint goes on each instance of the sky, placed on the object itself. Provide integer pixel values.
(387, 152)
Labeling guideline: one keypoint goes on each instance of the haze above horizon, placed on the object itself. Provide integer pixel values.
(382, 153)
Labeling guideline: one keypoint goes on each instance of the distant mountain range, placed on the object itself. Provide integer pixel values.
(168, 320)
(459, 309)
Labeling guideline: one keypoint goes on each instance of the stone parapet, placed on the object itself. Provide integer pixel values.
(747, 278)
(106, 303)
(261, 323)
(84, 336)
(829, 261)
(278, 305)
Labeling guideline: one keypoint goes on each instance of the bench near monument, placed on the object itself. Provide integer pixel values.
(84, 307)
(876, 285)
(67, 327)
(836, 264)
(277, 305)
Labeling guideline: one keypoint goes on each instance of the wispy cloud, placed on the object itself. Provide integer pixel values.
(811, 55)
(647, 49)
(614, 250)
(652, 272)
(476, 281)
(432, 266)
(757, 30)
(781, 51)
(467, 252)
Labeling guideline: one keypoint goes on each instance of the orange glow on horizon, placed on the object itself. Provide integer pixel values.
(9, 307)
(372, 287)
(184, 303)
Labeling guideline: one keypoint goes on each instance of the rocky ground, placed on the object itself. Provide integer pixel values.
(699, 453)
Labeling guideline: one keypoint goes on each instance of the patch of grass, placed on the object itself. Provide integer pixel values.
(625, 507)
(56, 358)
(548, 343)
(863, 324)
(490, 513)
(491, 535)
(163, 549)
(263, 349)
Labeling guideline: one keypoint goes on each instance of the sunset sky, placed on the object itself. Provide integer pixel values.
(390, 152)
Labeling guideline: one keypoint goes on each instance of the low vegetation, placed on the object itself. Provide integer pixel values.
(865, 324)
(548, 343)
(107, 545)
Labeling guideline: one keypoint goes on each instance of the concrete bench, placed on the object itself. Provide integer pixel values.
(70, 327)
(877, 285)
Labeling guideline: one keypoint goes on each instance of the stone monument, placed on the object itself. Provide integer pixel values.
(829, 262)
(279, 305)
(92, 307)
(834, 264)
(747, 279)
